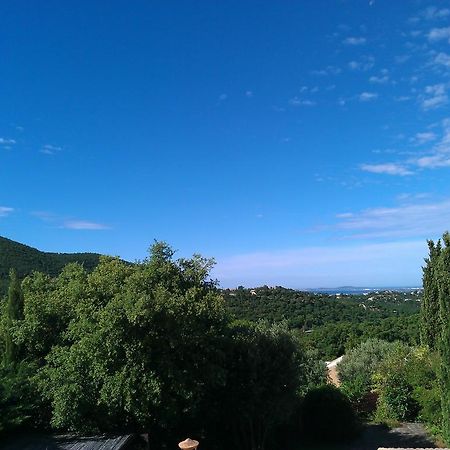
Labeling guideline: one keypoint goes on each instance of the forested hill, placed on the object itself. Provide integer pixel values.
(331, 324)
(25, 259)
(307, 310)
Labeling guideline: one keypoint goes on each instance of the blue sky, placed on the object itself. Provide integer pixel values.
(299, 143)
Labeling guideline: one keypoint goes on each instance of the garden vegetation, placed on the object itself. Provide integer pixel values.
(147, 347)
(157, 347)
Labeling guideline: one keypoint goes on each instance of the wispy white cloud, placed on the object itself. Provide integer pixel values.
(442, 59)
(296, 101)
(367, 96)
(5, 141)
(386, 169)
(355, 40)
(434, 97)
(329, 70)
(417, 219)
(436, 156)
(408, 196)
(439, 34)
(424, 138)
(59, 221)
(5, 211)
(434, 161)
(439, 156)
(84, 225)
(433, 13)
(382, 79)
(413, 219)
(363, 64)
(402, 98)
(49, 149)
(310, 90)
(430, 13)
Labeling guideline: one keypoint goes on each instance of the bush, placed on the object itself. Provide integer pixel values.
(359, 365)
(19, 401)
(267, 368)
(395, 392)
(395, 401)
(327, 414)
(423, 376)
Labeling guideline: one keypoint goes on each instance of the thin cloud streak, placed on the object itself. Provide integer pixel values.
(5, 211)
(437, 156)
(435, 96)
(410, 220)
(386, 169)
(355, 40)
(69, 224)
(84, 225)
(367, 96)
(5, 141)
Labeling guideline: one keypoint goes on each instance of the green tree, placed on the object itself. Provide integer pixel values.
(14, 312)
(267, 373)
(430, 324)
(443, 279)
(141, 348)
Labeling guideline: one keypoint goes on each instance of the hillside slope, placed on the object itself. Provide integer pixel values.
(25, 259)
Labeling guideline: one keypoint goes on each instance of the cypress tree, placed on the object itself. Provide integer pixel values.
(14, 312)
(443, 277)
(430, 324)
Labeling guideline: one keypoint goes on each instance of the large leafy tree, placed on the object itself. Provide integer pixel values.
(149, 347)
(140, 347)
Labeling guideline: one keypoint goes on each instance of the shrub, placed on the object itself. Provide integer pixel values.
(395, 401)
(266, 370)
(19, 400)
(327, 414)
(358, 366)
(394, 386)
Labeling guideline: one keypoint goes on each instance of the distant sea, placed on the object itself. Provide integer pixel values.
(349, 290)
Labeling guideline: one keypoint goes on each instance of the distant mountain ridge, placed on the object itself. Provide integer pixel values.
(25, 259)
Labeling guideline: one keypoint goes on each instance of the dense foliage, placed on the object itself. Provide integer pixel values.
(436, 318)
(156, 347)
(359, 365)
(336, 339)
(328, 323)
(146, 347)
(327, 415)
(306, 310)
(431, 319)
(403, 378)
